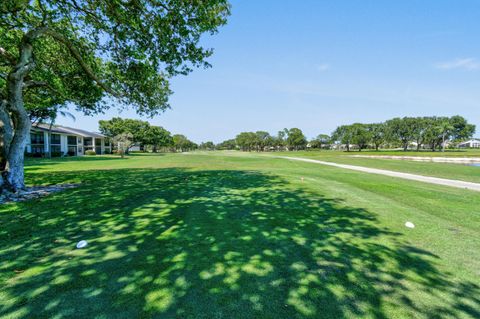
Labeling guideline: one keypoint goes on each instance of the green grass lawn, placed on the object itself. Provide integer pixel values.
(219, 236)
(443, 170)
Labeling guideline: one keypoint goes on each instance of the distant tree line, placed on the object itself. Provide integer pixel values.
(260, 141)
(182, 144)
(431, 132)
(419, 132)
(126, 133)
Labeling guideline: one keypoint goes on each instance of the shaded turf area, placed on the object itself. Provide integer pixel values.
(199, 236)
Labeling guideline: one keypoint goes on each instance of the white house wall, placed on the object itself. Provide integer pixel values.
(79, 145)
(64, 143)
(29, 142)
(47, 142)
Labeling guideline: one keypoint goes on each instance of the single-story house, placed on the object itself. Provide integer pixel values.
(342, 147)
(473, 143)
(65, 141)
(136, 148)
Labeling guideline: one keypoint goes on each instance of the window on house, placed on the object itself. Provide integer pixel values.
(87, 141)
(72, 151)
(56, 150)
(107, 142)
(55, 139)
(72, 140)
(37, 150)
(37, 138)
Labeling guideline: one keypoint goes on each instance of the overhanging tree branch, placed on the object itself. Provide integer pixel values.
(76, 54)
(89, 13)
(140, 37)
(34, 84)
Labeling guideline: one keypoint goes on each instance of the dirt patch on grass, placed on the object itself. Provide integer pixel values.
(34, 192)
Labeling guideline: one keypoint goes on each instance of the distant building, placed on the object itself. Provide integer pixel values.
(65, 141)
(135, 148)
(473, 143)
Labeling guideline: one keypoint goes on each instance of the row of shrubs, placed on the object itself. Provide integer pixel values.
(118, 152)
(38, 155)
(57, 154)
(60, 154)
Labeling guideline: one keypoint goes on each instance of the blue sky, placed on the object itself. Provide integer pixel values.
(316, 64)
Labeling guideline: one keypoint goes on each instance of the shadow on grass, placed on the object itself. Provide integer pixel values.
(173, 243)
(59, 160)
(34, 163)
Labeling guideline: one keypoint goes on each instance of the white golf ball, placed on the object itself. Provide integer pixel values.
(409, 225)
(82, 244)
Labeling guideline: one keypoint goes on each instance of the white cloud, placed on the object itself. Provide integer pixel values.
(464, 63)
(323, 67)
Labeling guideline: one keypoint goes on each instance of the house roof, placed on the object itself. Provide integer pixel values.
(67, 130)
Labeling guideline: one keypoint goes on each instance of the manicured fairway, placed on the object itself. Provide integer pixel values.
(223, 235)
(443, 170)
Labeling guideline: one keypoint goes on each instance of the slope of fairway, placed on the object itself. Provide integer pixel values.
(443, 170)
(413, 177)
(217, 236)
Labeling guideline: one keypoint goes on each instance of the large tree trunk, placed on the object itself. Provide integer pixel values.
(443, 144)
(6, 135)
(14, 170)
(13, 175)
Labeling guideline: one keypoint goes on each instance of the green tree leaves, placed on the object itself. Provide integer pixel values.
(181, 143)
(138, 132)
(57, 52)
(429, 132)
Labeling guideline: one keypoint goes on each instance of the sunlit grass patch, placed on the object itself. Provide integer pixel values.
(216, 236)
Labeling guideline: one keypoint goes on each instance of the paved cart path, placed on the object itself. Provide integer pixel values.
(413, 177)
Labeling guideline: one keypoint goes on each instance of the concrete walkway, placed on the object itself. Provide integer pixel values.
(413, 177)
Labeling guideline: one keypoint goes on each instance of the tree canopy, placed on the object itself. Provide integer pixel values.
(94, 54)
(117, 125)
(432, 132)
(128, 49)
(207, 146)
(227, 145)
(139, 132)
(182, 144)
(157, 137)
(295, 138)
